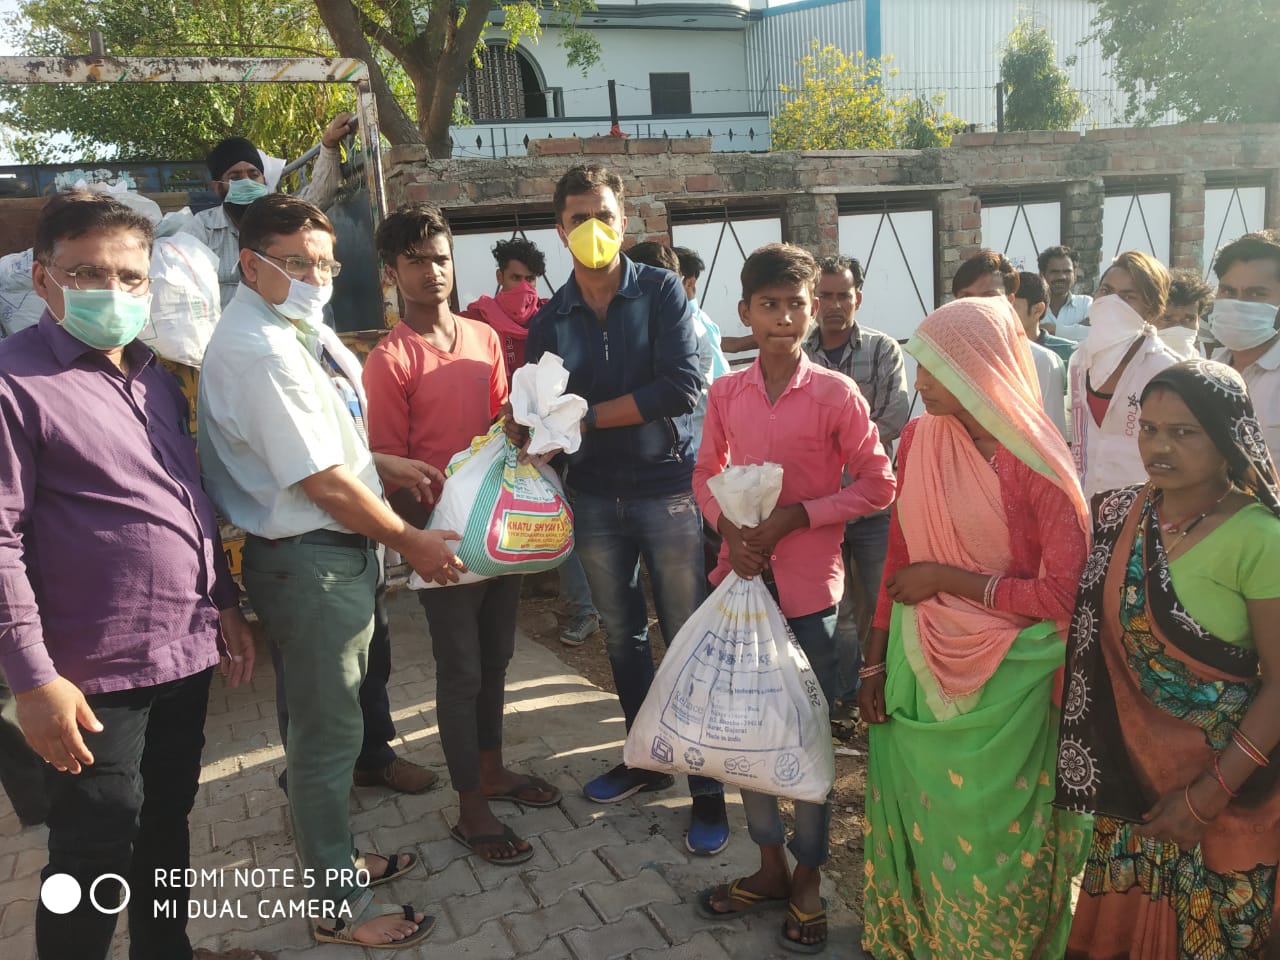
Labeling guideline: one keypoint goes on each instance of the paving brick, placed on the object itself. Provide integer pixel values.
(491, 874)
(471, 913)
(528, 931)
(579, 809)
(384, 815)
(423, 830)
(25, 863)
(488, 943)
(436, 800)
(627, 860)
(633, 931)
(553, 949)
(567, 845)
(680, 922)
(550, 885)
(702, 947)
(18, 915)
(535, 821)
(272, 821)
(455, 880)
(231, 809)
(612, 900)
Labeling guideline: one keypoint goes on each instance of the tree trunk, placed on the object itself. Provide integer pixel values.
(343, 23)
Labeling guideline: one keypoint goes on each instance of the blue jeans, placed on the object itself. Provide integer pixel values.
(612, 535)
(575, 591)
(816, 634)
(865, 544)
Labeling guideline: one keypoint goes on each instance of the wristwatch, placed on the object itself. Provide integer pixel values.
(589, 420)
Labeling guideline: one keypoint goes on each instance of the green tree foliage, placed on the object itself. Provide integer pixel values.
(1202, 61)
(432, 43)
(841, 104)
(131, 121)
(1038, 94)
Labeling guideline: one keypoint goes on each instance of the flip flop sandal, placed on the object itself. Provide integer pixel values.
(507, 836)
(398, 864)
(805, 923)
(529, 783)
(753, 902)
(344, 932)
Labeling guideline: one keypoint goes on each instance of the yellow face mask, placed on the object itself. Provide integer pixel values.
(594, 243)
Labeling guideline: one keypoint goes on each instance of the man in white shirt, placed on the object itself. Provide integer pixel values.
(285, 459)
(1068, 313)
(238, 169)
(1244, 320)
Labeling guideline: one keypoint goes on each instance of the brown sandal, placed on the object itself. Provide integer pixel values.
(806, 924)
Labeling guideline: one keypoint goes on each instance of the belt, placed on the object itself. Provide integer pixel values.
(324, 538)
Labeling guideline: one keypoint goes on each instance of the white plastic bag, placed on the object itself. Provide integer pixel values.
(734, 698)
(538, 401)
(513, 516)
(20, 305)
(186, 300)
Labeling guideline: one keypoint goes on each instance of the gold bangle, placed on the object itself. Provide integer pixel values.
(1186, 795)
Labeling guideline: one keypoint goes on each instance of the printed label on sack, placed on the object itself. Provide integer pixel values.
(722, 696)
(522, 534)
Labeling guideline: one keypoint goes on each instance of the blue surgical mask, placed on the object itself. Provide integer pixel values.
(104, 319)
(244, 191)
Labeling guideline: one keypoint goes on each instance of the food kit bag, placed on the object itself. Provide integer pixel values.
(734, 698)
(513, 516)
(186, 300)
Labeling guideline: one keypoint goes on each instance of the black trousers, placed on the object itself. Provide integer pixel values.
(126, 814)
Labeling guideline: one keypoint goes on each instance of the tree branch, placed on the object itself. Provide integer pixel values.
(342, 20)
(382, 36)
(454, 59)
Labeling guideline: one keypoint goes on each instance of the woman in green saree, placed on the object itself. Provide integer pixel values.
(965, 855)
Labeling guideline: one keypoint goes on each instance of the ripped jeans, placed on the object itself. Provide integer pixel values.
(611, 536)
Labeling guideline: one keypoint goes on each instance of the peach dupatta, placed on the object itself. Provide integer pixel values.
(960, 641)
(949, 503)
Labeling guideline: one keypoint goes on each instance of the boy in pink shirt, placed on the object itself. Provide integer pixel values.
(784, 409)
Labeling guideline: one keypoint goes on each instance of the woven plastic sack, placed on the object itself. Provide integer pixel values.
(734, 698)
(186, 300)
(513, 516)
(20, 305)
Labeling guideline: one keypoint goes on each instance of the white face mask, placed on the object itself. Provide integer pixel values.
(1113, 326)
(1242, 324)
(1181, 340)
(305, 301)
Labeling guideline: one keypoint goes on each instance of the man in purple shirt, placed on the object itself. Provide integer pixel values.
(115, 599)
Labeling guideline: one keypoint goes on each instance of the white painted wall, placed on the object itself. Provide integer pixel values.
(1020, 233)
(714, 59)
(1138, 222)
(890, 302)
(1229, 213)
(720, 288)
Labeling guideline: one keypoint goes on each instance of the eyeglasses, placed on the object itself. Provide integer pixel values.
(299, 267)
(90, 277)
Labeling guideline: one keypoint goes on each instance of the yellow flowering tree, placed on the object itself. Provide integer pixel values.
(841, 104)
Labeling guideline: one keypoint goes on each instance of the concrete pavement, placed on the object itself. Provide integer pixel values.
(605, 881)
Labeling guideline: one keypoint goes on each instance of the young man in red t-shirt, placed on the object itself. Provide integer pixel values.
(435, 382)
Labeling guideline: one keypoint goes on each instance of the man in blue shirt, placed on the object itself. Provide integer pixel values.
(625, 332)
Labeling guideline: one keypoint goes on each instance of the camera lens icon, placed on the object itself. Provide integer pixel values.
(61, 893)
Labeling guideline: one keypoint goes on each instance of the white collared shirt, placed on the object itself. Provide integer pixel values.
(1069, 321)
(1053, 385)
(269, 418)
(1263, 379)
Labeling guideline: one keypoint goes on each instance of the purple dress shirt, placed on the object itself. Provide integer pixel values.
(111, 567)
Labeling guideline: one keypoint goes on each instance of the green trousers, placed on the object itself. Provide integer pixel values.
(316, 602)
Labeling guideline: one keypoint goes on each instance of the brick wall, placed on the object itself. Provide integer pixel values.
(806, 186)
